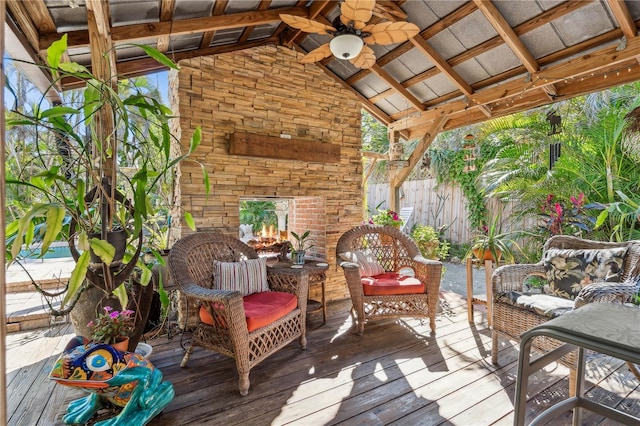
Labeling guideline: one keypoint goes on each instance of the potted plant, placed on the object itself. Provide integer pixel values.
(386, 217)
(300, 246)
(428, 241)
(99, 183)
(112, 327)
(492, 244)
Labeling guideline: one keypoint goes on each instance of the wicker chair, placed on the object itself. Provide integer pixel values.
(393, 250)
(511, 321)
(191, 265)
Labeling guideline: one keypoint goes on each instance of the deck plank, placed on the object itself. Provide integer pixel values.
(396, 373)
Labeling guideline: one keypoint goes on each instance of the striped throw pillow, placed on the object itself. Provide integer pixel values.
(247, 277)
(368, 264)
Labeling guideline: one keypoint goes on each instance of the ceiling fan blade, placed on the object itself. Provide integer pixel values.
(307, 25)
(390, 32)
(365, 60)
(356, 11)
(317, 54)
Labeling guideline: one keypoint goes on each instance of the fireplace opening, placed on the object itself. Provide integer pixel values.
(266, 223)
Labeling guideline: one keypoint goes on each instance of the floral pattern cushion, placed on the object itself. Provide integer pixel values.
(568, 271)
(541, 304)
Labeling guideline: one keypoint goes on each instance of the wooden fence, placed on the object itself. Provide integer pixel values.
(433, 205)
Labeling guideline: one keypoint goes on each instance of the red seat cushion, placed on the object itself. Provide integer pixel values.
(261, 309)
(391, 283)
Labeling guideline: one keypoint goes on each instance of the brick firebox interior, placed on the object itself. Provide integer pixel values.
(245, 102)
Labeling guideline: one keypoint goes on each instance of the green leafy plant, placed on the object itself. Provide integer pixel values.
(99, 182)
(302, 242)
(386, 217)
(429, 242)
(111, 326)
(491, 239)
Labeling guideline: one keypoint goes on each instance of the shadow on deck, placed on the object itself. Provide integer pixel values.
(394, 374)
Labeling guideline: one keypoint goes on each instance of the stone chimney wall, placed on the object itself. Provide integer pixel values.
(265, 91)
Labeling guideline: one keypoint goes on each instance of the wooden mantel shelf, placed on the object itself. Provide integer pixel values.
(254, 145)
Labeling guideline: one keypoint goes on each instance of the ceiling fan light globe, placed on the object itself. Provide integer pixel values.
(346, 46)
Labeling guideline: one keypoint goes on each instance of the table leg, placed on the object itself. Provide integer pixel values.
(470, 289)
(488, 271)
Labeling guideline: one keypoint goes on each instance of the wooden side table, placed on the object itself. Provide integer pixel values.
(480, 299)
(316, 270)
(607, 328)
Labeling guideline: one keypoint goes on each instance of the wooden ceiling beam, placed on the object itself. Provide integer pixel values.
(427, 33)
(128, 33)
(511, 39)
(534, 23)
(207, 37)
(623, 16)
(582, 66)
(146, 65)
(19, 12)
(382, 74)
(166, 14)
(398, 176)
(246, 33)
(425, 48)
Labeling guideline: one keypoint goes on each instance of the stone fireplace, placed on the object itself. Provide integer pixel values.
(272, 128)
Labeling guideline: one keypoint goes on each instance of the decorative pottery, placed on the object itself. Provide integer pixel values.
(297, 257)
(124, 379)
(122, 345)
(144, 350)
(93, 300)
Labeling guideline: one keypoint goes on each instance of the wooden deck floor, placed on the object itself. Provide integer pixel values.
(394, 374)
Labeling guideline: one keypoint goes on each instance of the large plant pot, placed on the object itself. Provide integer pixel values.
(486, 254)
(94, 299)
(117, 239)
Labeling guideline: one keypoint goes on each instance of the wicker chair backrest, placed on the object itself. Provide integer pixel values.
(391, 247)
(191, 258)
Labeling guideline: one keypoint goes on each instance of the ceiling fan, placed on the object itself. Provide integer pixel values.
(351, 34)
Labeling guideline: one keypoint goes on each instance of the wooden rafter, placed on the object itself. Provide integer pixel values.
(398, 176)
(444, 67)
(582, 66)
(514, 72)
(549, 15)
(207, 37)
(147, 65)
(126, 33)
(20, 13)
(623, 16)
(264, 5)
(166, 14)
(377, 70)
(500, 24)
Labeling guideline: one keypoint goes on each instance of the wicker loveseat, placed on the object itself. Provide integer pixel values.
(581, 271)
(386, 275)
(243, 324)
